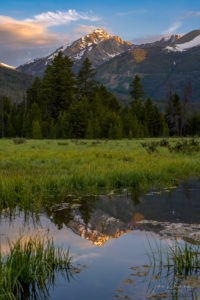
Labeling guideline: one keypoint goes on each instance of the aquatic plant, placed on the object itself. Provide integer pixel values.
(176, 266)
(30, 268)
(183, 259)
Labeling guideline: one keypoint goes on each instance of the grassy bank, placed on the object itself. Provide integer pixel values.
(37, 169)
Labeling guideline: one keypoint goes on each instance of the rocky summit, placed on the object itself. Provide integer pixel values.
(98, 46)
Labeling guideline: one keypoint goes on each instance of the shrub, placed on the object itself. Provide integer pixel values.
(164, 143)
(62, 144)
(150, 147)
(19, 141)
(185, 146)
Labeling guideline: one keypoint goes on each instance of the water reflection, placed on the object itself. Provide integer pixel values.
(104, 232)
(99, 218)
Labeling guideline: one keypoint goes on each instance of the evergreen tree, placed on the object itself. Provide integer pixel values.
(57, 91)
(33, 93)
(62, 126)
(89, 130)
(193, 125)
(136, 88)
(86, 82)
(173, 114)
(78, 116)
(36, 130)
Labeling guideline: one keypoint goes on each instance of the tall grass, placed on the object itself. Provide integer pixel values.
(175, 270)
(30, 269)
(38, 170)
(180, 258)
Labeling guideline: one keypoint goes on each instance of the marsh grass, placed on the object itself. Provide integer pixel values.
(184, 259)
(180, 258)
(175, 269)
(30, 268)
(42, 169)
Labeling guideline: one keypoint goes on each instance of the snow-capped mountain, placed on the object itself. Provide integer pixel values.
(166, 40)
(176, 63)
(186, 42)
(172, 59)
(98, 46)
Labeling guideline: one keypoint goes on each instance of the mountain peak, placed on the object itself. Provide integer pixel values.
(100, 31)
(186, 42)
(96, 36)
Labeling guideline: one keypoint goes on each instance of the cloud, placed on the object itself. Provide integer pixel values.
(173, 28)
(35, 34)
(179, 22)
(24, 34)
(58, 18)
(35, 31)
(84, 29)
(191, 14)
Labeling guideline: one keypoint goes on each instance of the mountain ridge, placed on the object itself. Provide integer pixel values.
(116, 61)
(98, 46)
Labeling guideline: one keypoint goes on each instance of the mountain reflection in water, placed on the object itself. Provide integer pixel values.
(100, 218)
(119, 223)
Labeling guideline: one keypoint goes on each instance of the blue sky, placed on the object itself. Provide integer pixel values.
(34, 28)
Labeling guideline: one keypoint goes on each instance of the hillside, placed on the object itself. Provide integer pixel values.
(13, 83)
(158, 67)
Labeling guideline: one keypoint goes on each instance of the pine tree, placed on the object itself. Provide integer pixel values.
(36, 130)
(136, 88)
(78, 116)
(86, 80)
(89, 130)
(33, 93)
(62, 126)
(57, 90)
(173, 114)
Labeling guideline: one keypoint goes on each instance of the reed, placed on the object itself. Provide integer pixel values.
(31, 267)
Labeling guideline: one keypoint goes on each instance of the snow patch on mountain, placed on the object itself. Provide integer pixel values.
(113, 54)
(79, 55)
(185, 46)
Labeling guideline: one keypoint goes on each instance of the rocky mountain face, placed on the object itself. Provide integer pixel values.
(172, 60)
(98, 46)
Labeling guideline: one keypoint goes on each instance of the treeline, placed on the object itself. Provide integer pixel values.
(65, 105)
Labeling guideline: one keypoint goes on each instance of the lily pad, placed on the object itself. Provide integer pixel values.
(128, 281)
(158, 296)
(76, 270)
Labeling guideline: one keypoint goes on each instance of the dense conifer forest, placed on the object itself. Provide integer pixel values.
(65, 105)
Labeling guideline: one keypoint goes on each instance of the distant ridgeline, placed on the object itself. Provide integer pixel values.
(65, 105)
(13, 83)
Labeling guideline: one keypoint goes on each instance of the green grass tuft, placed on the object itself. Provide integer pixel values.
(30, 269)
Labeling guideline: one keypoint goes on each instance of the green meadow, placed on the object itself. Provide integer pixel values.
(43, 169)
